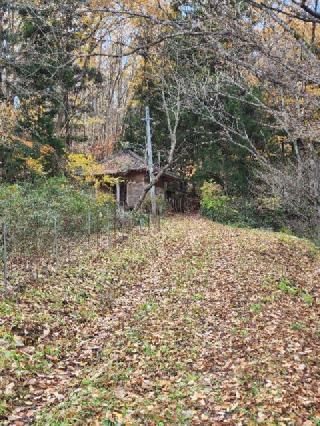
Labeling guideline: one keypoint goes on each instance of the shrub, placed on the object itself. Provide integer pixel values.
(53, 197)
(293, 183)
(215, 205)
(264, 212)
(31, 211)
(162, 205)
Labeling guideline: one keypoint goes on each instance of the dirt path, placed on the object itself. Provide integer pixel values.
(195, 324)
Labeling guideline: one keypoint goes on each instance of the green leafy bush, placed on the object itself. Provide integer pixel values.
(55, 197)
(35, 212)
(215, 205)
(242, 212)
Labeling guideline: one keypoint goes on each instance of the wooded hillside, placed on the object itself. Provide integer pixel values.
(233, 89)
(159, 212)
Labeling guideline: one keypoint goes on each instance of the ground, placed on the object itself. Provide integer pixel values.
(196, 323)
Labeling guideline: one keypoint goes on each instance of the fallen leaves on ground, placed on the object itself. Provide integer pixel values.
(196, 323)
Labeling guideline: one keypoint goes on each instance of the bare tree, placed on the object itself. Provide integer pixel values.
(245, 47)
(171, 102)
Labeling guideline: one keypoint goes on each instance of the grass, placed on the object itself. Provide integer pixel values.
(298, 326)
(256, 308)
(287, 287)
(307, 298)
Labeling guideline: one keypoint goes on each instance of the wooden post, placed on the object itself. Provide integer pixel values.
(108, 234)
(55, 239)
(150, 163)
(89, 226)
(118, 193)
(159, 221)
(5, 256)
(98, 230)
(115, 223)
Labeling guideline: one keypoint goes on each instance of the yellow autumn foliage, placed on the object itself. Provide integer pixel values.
(103, 198)
(85, 168)
(8, 119)
(46, 150)
(35, 166)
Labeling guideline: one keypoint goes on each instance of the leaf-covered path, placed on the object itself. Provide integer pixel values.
(198, 323)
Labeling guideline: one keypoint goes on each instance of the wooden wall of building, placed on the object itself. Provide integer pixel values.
(135, 187)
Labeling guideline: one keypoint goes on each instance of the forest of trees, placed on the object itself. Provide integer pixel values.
(197, 303)
(233, 88)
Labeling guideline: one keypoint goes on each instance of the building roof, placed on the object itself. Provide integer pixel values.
(126, 161)
(123, 162)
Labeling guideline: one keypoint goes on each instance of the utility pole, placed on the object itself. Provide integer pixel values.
(150, 163)
(314, 25)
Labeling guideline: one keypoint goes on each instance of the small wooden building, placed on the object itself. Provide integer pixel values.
(133, 171)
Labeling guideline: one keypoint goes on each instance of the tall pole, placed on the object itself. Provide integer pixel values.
(4, 44)
(150, 162)
(313, 34)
